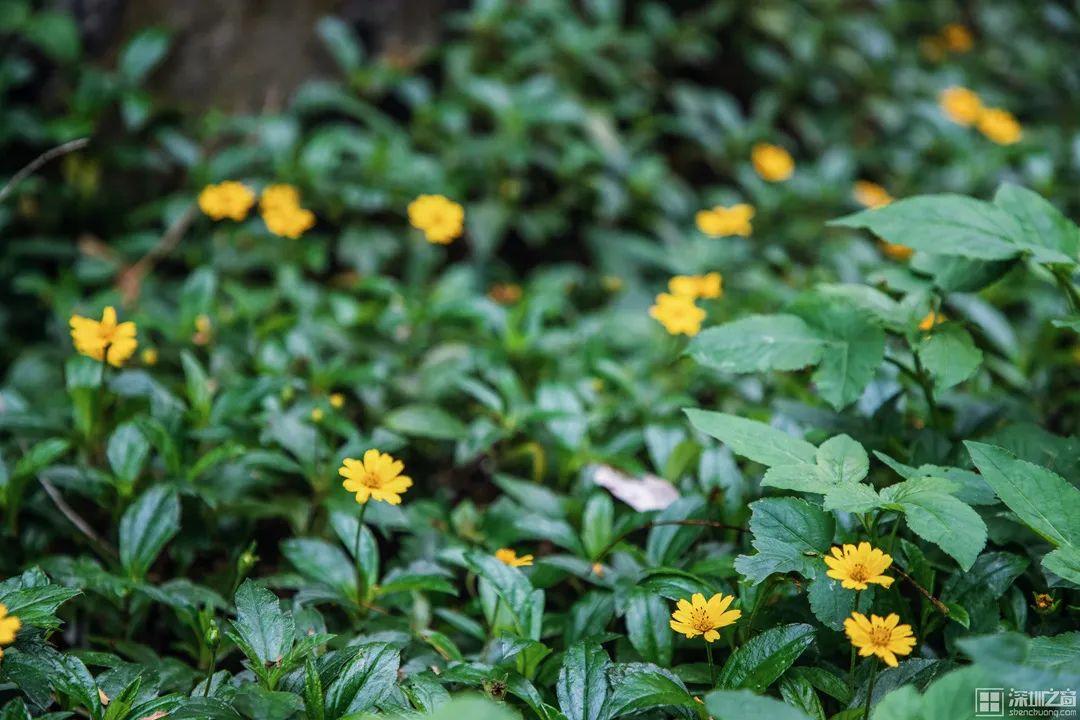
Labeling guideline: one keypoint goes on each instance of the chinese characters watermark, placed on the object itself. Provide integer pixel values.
(1050, 703)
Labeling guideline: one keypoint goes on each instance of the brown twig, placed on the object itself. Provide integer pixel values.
(649, 525)
(129, 281)
(68, 147)
(940, 606)
(80, 524)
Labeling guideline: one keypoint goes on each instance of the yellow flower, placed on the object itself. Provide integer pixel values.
(508, 556)
(957, 38)
(9, 626)
(1000, 126)
(697, 286)
(960, 105)
(1043, 601)
(857, 567)
(611, 283)
(104, 340)
(720, 220)
(678, 314)
(290, 222)
(149, 356)
(879, 636)
(896, 251)
(317, 415)
(378, 477)
(337, 401)
(772, 162)
(870, 194)
(276, 197)
(229, 199)
(704, 617)
(932, 318)
(440, 218)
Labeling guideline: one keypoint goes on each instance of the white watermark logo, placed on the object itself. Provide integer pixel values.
(1051, 703)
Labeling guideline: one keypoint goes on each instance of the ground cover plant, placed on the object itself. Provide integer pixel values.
(601, 361)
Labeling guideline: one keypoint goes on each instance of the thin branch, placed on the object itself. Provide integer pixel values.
(80, 524)
(649, 525)
(940, 606)
(32, 167)
(130, 279)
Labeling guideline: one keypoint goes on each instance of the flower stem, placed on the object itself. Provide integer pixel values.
(361, 590)
(870, 689)
(712, 666)
(210, 672)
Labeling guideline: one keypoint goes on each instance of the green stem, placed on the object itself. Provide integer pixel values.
(870, 689)
(210, 671)
(360, 584)
(892, 535)
(851, 667)
(1072, 296)
(712, 666)
(928, 391)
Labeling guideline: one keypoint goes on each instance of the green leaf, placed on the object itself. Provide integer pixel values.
(582, 686)
(56, 34)
(950, 355)
(830, 602)
(142, 54)
(127, 452)
(36, 605)
(843, 460)
(758, 662)
(199, 390)
(1064, 562)
(854, 347)
(1042, 499)
(342, 43)
(39, 457)
(364, 680)
(757, 343)
(151, 521)
(944, 224)
(261, 624)
(669, 541)
(322, 563)
(1047, 234)
(597, 523)
(797, 691)
(751, 439)
(789, 534)
(935, 515)
(426, 421)
(643, 686)
(745, 705)
(648, 626)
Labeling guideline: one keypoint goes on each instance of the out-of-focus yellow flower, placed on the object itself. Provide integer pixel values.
(317, 415)
(932, 318)
(149, 356)
(883, 637)
(699, 616)
(957, 38)
(9, 627)
(229, 199)
(337, 401)
(960, 105)
(706, 286)
(204, 330)
(511, 558)
(678, 314)
(439, 218)
(598, 569)
(858, 567)
(870, 194)
(719, 220)
(280, 208)
(896, 251)
(1000, 126)
(104, 339)
(378, 476)
(505, 293)
(772, 162)
(611, 283)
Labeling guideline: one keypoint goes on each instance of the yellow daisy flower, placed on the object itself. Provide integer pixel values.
(317, 415)
(857, 567)
(289, 222)
(772, 162)
(337, 401)
(879, 636)
(896, 251)
(932, 318)
(960, 105)
(508, 556)
(678, 314)
(719, 221)
(439, 218)
(105, 339)
(870, 194)
(1000, 126)
(149, 356)
(699, 616)
(957, 38)
(697, 286)
(280, 195)
(378, 476)
(9, 627)
(229, 199)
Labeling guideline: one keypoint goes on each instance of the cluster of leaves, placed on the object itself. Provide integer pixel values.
(179, 544)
